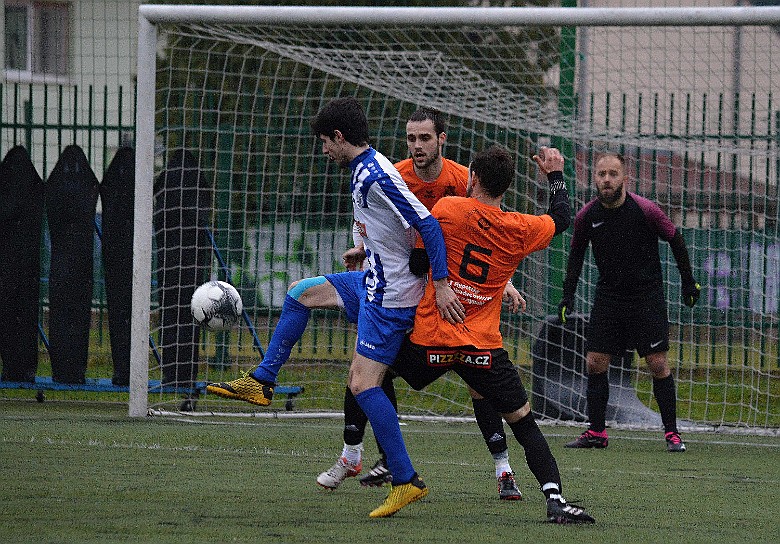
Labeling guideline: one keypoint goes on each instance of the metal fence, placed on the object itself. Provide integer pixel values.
(736, 255)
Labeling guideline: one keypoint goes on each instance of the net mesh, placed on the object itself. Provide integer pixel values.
(690, 107)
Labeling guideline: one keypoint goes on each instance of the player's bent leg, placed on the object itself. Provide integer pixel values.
(544, 467)
(257, 387)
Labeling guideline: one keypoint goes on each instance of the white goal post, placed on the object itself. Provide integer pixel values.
(225, 94)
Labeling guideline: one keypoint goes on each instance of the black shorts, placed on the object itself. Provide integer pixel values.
(617, 325)
(489, 372)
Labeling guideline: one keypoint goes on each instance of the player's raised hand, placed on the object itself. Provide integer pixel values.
(549, 159)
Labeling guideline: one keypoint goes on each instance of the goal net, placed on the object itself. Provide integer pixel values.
(242, 193)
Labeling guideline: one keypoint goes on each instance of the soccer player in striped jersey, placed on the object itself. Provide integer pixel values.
(382, 299)
(430, 176)
(485, 245)
(629, 309)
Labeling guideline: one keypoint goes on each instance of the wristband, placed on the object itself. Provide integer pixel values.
(556, 181)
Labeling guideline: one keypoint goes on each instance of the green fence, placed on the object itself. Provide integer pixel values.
(737, 261)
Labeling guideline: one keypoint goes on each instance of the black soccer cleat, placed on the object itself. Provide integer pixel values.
(589, 439)
(559, 511)
(378, 476)
(507, 487)
(674, 443)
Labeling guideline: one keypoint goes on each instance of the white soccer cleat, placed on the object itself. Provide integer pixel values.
(335, 475)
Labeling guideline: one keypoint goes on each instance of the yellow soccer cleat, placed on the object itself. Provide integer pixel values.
(244, 388)
(400, 496)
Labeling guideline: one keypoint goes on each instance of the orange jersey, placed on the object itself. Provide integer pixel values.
(484, 247)
(452, 181)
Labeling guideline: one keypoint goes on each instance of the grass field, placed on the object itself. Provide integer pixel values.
(85, 472)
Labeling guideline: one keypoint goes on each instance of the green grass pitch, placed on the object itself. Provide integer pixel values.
(85, 472)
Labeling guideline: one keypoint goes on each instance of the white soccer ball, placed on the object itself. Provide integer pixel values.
(216, 306)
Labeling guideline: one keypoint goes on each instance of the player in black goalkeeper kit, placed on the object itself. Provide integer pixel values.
(629, 308)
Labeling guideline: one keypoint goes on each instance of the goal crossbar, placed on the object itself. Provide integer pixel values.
(720, 16)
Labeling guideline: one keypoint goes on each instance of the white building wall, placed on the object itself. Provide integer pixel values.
(102, 53)
(689, 64)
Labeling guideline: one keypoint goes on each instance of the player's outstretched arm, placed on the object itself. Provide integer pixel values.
(550, 161)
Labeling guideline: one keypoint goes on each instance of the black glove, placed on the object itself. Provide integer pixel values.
(418, 262)
(690, 292)
(565, 307)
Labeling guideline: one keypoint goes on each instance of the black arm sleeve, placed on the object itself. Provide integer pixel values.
(680, 253)
(573, 270)
(560, 207)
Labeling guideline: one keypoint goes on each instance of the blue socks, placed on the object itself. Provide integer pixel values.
(384, 422)
(288, 331)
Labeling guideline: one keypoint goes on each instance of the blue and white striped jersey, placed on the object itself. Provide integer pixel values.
(385, 213)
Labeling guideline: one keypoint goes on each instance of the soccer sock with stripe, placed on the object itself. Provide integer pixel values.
(537, 454)
(288, 331)
(492, 426)
(666, 397)
(354, 419)
(597, 395)
(384, 422)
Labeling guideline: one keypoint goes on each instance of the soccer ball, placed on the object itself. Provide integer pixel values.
(216, 306)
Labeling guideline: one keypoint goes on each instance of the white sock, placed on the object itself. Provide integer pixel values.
(552, 491)
(353, 454)
(502, 463)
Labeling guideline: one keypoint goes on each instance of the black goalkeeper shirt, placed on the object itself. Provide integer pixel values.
(624, 241)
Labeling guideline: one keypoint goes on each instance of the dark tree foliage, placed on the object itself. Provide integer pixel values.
(214, 97)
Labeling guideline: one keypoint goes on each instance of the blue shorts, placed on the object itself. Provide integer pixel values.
(380, 331)
(351, 289)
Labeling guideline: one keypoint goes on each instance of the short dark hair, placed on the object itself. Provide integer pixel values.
(495, 168)
(601, 154)
(345, 115)
(425, 113)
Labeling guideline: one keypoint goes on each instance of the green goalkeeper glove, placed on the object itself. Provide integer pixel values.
(565, 307)
(691, 291)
